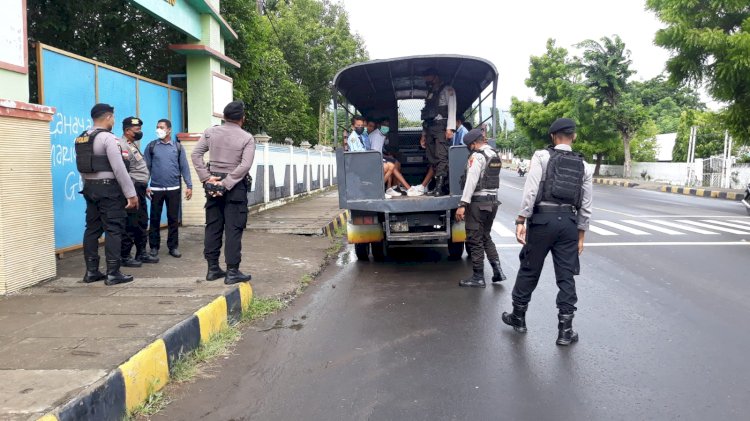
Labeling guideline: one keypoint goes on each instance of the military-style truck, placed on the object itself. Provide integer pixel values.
(390, 89)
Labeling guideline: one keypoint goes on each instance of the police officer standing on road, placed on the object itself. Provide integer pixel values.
(439, 115)
(103, 161)
(137, 223)
(554, 216)
(478, 207)
(226, 182)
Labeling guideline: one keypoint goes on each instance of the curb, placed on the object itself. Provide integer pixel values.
(338, 222)
(715, 194)
(614, 182)
(126, 387)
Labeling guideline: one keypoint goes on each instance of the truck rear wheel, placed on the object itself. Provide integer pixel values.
(378, 251)
(455, 250)
(362, 251)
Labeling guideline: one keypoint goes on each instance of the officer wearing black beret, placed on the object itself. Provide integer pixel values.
(226, 182)
(478, 207)
(554, 216)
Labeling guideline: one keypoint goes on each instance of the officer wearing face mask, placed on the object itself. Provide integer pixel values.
(478, 207)
(103, 162)
(137, 224)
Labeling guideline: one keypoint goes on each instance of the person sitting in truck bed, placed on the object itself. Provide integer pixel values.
(356, 142)
(391, 166)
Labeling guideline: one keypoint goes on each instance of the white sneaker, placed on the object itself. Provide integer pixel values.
(414, 191)
(392, 192)
(388, 196)
(421, 188)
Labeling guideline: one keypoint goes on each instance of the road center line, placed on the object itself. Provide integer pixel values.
(645, 243)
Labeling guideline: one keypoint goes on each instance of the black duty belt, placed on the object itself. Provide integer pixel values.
(555, 209)
(221, 175)
(485, 198)
(102, 181)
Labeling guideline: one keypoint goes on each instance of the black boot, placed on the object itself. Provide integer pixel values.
(497, 272)
(92, 271)
(565, 333)
(146, 257)
(130, 262)
(214, 271)
(439, 185)
(114, 276)
(476, 281)
(234, 275)
(517, 319)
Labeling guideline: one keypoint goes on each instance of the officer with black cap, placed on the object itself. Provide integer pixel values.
(478, 207)
(137, 224)
(103, 161)
(439, 115)
(226, 182)
(554, 216)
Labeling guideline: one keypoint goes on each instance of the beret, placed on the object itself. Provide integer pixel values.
(562, 124)
(100, 109)
(472, 136)
(131, 121)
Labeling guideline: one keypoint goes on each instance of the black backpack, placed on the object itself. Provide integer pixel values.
(563, 180)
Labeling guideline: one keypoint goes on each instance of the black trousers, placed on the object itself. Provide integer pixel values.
(226, 217)
(105, 213)
(479, 218)
(437, 148)
(173, 199)
(136, 227)
(556, 232)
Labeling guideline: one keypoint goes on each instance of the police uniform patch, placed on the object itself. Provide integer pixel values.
(471, 160)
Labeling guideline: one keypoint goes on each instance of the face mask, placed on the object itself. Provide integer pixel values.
(138, 135)
(161, 133)
(359, 130)
(384, 129)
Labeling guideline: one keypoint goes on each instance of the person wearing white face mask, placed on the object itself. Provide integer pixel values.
(168, 166)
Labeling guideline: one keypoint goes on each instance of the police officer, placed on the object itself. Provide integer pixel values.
(478, 207)
(439, 115)
(225, 180)
(137, 224)
(103, 162)
(554, 216)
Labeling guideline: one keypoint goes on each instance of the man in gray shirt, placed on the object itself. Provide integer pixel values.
(103, 162)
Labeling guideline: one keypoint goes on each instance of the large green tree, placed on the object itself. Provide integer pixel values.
(710, 43)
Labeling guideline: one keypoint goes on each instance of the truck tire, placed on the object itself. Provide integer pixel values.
(455, 250)
(362, 251)
(379, 251)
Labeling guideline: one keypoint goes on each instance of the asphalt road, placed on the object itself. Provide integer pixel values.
(664, 304)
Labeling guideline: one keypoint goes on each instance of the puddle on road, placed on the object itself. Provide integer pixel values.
(347, 256)
(296, 325)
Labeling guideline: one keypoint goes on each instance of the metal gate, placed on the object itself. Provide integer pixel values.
(714, 171)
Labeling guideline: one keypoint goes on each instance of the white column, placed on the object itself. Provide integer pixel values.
(266, 174)
(292, 171)
(321, 171)
(308, 172)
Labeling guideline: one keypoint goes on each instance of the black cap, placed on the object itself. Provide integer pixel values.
(472, 136)
(562, 124)
(431, 71)
(99, 110)
(131, 121)
(235, 110)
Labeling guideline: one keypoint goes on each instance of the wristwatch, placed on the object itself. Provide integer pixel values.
(520, 222)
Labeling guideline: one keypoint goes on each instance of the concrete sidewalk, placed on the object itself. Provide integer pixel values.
(708, 192)
(61, 339)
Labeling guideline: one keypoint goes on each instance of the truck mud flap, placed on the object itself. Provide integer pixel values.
(357, 234)
(458, 232)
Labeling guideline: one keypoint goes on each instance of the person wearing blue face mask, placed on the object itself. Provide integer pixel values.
(460, 132)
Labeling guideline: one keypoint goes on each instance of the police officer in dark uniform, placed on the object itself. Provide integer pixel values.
(103, 161)
(478, 207)
(137, 224)
(554, 216)
(439, 115)
(226, 182)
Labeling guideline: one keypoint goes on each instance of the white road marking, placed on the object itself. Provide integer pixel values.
(619, 213)
(653, 227)
(502, 231)
(713, 227)
(742, 221)
(623, 228)
(600, 231)
(728, 224)
(512, 187)
(644, 243)
(684, 228)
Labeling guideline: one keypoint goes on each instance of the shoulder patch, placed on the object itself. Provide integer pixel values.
(471, 160)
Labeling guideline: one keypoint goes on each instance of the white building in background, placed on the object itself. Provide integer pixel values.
(664, 146)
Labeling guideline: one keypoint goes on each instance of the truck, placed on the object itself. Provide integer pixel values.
(394, 89)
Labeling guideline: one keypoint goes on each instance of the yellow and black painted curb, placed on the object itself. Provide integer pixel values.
(339, 222)
(701, 192)
(615, 182)
(125, 388)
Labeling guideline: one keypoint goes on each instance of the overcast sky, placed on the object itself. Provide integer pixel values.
(505, 32)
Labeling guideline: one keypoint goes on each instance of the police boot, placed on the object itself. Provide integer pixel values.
(214, 271)
(439, 184)
(517, 319)
(565, 333)
(92, 271)
(497, 272)
(114, 276)
(130, 262)
(476, 281)
(145, 257)
(234, 275)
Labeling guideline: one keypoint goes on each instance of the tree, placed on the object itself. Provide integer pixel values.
(665, 101)
(710, 136)
(710, 41)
